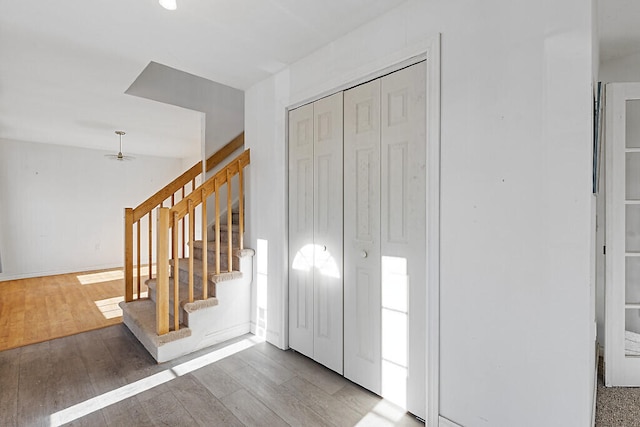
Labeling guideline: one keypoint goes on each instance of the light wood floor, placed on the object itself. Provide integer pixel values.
(43, 308)
(106, 378)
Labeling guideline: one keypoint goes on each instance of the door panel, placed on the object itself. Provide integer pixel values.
(328, 275)
(403, 237)
(301, 207)
(362, 235)
(622, 291)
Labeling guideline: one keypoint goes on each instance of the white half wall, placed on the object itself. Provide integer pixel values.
(62, 208)
(516, 318)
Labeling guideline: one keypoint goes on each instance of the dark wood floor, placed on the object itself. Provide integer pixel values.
(59, 380)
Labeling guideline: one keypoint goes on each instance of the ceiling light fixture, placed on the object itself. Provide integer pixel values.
(119, 156)
(169, 4)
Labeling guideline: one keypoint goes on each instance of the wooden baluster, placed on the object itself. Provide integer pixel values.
(176, 272)
(150, 246)
(205, 248)
(173, 247)
(162, 273)
(240, 207)
(193, 185)
(192, 234)
(128, 254)
(216, 189)
(138, 258)
(229, 222)
(183, 239)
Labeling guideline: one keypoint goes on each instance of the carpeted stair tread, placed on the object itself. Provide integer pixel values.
(211, 246)
(184, 293)
(143, 313)
(235, 228)
(197, 270)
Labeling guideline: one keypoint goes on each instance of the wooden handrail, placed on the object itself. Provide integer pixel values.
(208, 187)
(168, 192)
(170, 189)
(168, 220)
(221, 155)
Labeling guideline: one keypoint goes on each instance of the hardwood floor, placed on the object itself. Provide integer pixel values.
(43, 308)
(106, 378)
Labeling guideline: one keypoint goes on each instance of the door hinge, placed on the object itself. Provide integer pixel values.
(604, 250)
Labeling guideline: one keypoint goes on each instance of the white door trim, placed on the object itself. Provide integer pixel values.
(428, 49)
(433, 231)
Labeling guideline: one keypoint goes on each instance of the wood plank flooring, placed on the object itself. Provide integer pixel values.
(39, 309)
(258, 386)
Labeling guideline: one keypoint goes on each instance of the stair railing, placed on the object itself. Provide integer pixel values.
(177, 189)
(168, 223)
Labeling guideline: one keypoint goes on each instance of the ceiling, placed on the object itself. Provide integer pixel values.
(65, 65)
(618, 28)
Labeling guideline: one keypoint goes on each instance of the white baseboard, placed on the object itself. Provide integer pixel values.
(4, 277)
(224, 335)
(445, 422)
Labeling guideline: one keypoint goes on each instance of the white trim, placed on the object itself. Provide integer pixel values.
(7, 277)
(595, 387)
(433, 231)
(445, 422)
(361, 80)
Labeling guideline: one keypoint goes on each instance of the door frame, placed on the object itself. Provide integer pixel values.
(615, 173)
(428, 50)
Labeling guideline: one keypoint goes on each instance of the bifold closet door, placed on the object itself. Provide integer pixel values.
(403, 236)
(385, 236)
(362, 316)
(328, 206)
(301, 250)
(315, 231)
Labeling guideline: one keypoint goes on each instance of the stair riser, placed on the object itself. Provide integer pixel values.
(211, 259)
(224, 238)
(184, 278)
(235, 217)
(183, 318)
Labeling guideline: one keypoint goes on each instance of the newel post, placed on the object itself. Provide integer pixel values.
(128, 254)
(162, 272)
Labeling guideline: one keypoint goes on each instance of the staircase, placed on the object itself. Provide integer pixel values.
(225, 314)
(201, 294)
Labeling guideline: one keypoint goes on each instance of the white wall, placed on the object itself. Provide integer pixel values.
(62, 208)
(516, 322)
(622, 69)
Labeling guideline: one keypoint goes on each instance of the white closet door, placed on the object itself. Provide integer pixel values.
(362, 327)
(328, 231)
(301, 208)
(403, 237)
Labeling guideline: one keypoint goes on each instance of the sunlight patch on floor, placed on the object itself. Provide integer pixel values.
(110, 275)
(384, 413)
(103, 276)
(109, 307)
(97, 403)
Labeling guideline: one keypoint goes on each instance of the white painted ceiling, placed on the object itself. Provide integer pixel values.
(65, 65)
(618, 28)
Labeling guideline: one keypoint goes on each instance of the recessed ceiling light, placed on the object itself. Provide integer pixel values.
(169, 4)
